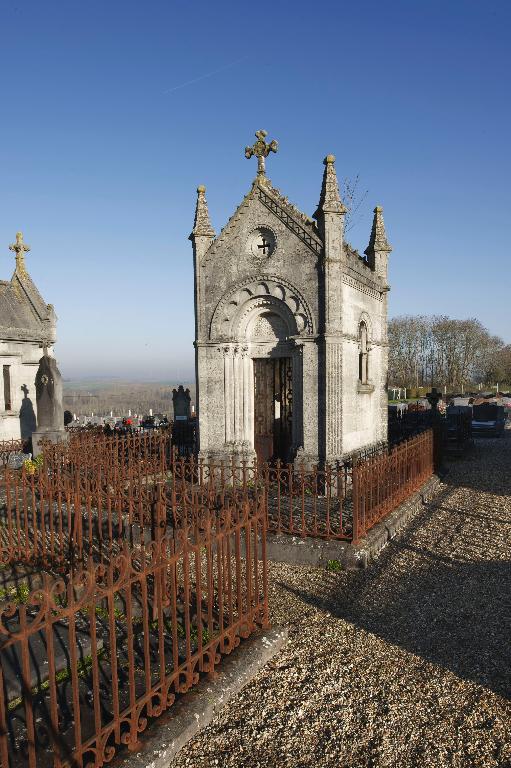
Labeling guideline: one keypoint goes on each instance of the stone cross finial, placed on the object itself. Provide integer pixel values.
(20, 249)
(261, 150)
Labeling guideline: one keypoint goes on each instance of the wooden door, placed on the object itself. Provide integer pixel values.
(273, 413)
(283, 410)
(263, 409)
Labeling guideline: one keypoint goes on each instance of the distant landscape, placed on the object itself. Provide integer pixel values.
(102, 396)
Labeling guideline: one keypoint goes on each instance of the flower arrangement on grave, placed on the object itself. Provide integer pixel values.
(31, 466)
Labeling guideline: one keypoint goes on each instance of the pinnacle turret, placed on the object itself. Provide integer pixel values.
(330, 199)
(202, 224)
(378, 240)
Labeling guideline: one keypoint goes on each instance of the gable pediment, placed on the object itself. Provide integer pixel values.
(303, 227)
(23, 313)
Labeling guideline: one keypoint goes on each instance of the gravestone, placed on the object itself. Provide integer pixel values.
(181, 402)
(50, 411)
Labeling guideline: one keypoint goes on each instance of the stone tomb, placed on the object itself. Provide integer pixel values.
(181, 403)
(291, 327)
(27, 323)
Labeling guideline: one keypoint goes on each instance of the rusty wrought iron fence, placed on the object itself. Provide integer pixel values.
(299, 502)
(382, 483)
(334, 502)
(83, 501)
(313, 503)
(91, 495)
(88, 659)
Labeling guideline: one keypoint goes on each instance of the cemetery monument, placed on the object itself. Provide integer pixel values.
(26, 322)
(181, 402)
(50, 411)
(291, 327)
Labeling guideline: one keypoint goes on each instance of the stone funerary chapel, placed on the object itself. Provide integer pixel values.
(291, 327)
(27, 324)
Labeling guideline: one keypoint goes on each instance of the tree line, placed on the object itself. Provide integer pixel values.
(441, 351)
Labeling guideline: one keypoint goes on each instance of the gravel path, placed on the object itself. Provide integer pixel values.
(405, 664)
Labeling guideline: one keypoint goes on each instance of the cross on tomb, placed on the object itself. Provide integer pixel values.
(264, 246)
(261, 150)
(20, 249)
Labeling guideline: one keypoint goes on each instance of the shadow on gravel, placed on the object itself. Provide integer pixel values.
(496, 478)
(453, 613)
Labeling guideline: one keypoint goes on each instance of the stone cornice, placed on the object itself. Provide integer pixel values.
(368, 287)
(372, 343)
(24, 334)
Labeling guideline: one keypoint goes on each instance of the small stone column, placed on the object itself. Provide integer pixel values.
(247, 416)
(308, 453)
(298, 403)
(228, 394)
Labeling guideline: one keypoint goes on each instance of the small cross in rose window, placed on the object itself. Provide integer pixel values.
(264, 246)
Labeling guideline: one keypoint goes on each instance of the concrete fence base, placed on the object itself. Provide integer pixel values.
(296, 550)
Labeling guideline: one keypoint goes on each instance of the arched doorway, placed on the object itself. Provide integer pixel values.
(273, 388)
(260, 328)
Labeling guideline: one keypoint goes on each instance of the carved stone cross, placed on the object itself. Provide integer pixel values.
(264, 246)
(20, 249)
(261, 150)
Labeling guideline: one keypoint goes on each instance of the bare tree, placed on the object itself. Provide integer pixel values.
(496, 366)
(440, 350)
(353, 198)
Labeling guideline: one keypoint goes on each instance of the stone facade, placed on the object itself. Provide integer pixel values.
(291, 327)
(27, 324)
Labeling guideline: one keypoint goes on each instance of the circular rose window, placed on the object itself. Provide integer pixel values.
(261, 242)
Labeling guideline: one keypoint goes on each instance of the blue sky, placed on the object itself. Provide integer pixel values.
(113, 112)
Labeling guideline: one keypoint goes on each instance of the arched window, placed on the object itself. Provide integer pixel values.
(363, 355)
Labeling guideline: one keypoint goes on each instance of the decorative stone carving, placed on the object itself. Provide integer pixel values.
(261, 243)
(20, 249)
(330, 199)
(202, 224)
(353, 283)
(261, 150)
(269, 326)
(233, 306)
(378, 239)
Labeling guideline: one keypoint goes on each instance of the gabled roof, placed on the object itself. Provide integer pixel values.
(23, 313)
(299, 223)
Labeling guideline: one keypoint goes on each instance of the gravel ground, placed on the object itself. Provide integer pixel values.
(405, 664)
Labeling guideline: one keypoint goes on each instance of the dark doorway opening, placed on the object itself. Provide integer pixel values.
(273, 408)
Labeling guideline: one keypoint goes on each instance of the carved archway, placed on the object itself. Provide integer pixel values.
(235, 314)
